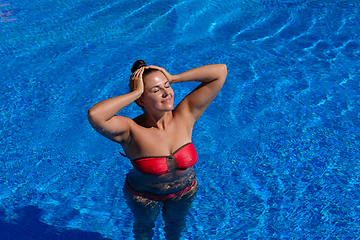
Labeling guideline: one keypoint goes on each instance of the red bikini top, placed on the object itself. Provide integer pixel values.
(182, 158)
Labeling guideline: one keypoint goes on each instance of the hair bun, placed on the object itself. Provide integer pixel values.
(138, 64)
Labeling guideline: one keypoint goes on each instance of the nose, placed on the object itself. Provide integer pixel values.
(166, 92)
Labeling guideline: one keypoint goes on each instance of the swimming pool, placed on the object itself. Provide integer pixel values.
(278, 148)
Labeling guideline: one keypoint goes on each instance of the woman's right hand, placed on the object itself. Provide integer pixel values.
(136, 80)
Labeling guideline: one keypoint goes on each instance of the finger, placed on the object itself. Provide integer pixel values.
(137, 72)
(140, 70)
(154, 67)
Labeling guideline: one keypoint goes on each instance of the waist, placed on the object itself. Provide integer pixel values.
(165, 184)
(159, 197)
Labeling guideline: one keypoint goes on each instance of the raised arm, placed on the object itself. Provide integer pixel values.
(102, 115)
(212, 78)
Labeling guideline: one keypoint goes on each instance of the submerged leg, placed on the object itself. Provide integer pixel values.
(145, 214)
(175, 211)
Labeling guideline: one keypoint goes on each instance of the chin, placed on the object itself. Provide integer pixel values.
(168, 109)
(169, 106)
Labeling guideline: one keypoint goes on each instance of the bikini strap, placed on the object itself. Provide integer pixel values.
(122, 154)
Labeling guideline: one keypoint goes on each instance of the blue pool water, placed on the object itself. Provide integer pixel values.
(278, 148)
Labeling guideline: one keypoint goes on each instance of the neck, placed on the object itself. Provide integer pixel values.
(158, 120)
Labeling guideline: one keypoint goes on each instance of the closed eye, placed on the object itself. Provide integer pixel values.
(157, 88)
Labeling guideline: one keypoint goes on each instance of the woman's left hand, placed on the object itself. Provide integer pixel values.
(169, 77)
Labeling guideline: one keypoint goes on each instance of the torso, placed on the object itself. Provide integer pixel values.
(150, 141)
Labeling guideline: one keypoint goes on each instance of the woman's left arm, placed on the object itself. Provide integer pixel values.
(212, 78)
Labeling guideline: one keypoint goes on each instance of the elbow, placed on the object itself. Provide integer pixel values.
(95, 117)
(223, 71)
(91, 115)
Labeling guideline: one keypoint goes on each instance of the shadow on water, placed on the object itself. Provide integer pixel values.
(29, 227)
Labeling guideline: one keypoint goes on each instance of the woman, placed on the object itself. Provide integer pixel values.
(158, 142)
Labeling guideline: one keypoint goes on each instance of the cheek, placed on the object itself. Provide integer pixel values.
(152, 97)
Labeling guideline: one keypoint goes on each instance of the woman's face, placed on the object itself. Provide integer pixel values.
(158, 95)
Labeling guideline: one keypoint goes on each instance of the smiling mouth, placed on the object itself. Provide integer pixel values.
(167, 100)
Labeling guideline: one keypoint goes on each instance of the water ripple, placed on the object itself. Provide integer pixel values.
(318, 4)
(347, 4)
(291, 101)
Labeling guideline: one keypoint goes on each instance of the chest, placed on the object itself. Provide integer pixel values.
(182, 158)
(155, 142)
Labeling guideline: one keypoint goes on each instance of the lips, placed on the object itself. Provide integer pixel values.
(167, 100)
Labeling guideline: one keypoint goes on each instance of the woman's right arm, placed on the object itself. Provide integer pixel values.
(102, 115)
